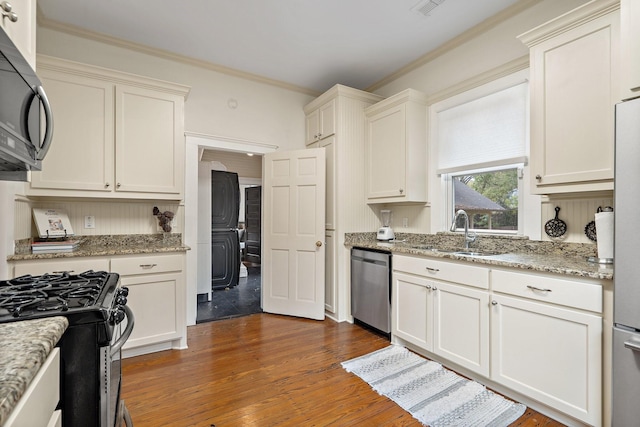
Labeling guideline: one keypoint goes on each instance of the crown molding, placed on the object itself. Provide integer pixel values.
(463, 38)
(73, 30)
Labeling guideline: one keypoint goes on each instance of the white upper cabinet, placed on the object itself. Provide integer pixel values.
(23, 31)
(321, 122)
(396, 149)
(116, 135)
(574, 87)
(630, 44)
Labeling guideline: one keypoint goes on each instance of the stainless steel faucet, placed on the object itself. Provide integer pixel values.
(469, 237)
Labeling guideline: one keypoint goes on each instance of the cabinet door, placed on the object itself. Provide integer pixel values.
(386, 153)
(327, 119)
(630, 41)
(149, 141)
(574, 88)
(461, 326)
(312, 127)
(550, 354)
(155, 300)
(23, 31)
(81, 154)
(411, 310)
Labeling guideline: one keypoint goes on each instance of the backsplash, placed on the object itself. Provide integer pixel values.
(489, 243)
(575, 212)
(112, 217)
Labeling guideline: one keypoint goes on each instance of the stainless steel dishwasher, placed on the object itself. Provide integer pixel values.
(371, 288)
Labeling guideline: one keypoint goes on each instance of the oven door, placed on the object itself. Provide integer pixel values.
(112, 411)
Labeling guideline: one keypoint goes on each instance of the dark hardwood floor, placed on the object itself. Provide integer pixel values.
(265, 370)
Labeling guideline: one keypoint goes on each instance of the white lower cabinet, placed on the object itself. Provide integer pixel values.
(461, 326)
(546, 341)
(448, 319)
(537, 334)
(412, 310)
(37, 406)
(549, 353)
(157, 299)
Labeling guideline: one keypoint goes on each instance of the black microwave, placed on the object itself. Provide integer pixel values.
(26, 122)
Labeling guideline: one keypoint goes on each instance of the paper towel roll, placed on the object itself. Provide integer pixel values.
(604, 232)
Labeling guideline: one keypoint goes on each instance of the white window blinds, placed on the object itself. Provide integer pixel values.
(486, 132)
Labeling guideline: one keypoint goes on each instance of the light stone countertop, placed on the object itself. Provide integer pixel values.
(518, 252)
(24, 346)
(129, 244)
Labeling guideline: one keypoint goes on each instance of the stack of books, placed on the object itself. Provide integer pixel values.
(54, 231)
(53, 246)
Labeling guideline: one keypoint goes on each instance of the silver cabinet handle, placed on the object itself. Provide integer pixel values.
(401, 191)
(147, 265)
(538, 177)
(118, 185)
(429, 287)
(433, 270)
(494, 302)
(106, 185)
(632, 345)
(533, 288)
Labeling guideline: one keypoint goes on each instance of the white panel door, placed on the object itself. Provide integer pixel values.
(293, 233)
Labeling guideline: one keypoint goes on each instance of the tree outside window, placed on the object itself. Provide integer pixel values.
(489, 198)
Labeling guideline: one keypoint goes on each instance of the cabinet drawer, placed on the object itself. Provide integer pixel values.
(442, 270)
(41, 397)
(130, 266)
(570, 293)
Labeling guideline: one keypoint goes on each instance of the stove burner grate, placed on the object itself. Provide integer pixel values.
(51, 292)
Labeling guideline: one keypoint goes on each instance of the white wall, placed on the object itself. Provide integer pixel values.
(264, 113)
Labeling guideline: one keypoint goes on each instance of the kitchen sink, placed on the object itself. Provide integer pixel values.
(475, 253)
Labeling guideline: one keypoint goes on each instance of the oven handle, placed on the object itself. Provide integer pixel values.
(126, 333)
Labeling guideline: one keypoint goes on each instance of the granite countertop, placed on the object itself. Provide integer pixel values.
(24, 346)
(516, 252)
(128, 244)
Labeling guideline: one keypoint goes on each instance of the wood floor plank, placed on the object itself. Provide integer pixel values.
(265, 370)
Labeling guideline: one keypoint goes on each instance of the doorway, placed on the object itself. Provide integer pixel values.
(229, 213)
(196, 146)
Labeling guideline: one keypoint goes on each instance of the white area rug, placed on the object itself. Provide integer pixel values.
(432, 394)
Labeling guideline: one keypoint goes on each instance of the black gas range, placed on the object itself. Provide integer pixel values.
(99, 324)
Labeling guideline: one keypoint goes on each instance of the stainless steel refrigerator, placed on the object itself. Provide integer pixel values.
(626, 314)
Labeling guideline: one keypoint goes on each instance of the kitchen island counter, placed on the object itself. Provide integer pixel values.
(516, 252)
(129, 244)
(24, 346)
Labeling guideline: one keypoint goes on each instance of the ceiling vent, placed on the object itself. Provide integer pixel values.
(425, 7)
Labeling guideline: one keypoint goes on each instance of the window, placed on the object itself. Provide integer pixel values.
(481, 146)
(490, 199)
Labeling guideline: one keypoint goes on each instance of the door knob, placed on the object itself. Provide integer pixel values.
(318, 243)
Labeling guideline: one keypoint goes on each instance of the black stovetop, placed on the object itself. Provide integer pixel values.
(82, 297)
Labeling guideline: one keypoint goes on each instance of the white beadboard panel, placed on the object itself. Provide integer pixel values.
(418, 218)
(575, 212)
(111, 217)
(22, 219)
(350, 143)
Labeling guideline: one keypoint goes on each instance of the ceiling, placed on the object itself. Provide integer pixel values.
(310, 44)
